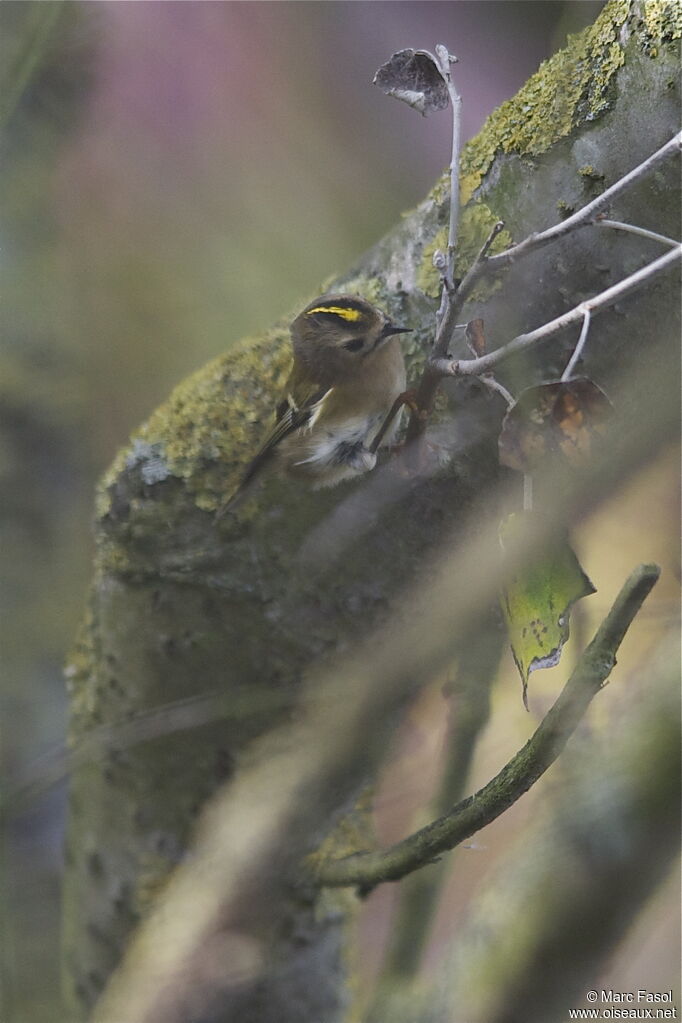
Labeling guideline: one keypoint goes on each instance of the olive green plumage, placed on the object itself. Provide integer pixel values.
(348, 370)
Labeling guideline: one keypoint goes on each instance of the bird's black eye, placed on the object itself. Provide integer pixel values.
(355, 344)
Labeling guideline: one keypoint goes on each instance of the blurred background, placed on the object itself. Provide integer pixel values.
(176, 175)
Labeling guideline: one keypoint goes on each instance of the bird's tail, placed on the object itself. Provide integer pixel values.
(252, 474)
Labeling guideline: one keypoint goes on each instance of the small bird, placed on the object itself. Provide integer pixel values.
(348, 371)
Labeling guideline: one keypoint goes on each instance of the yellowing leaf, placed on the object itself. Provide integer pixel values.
(537, 599)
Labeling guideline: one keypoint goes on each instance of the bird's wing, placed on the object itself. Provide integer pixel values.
(302, 399)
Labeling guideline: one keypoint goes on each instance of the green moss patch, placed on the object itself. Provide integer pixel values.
(211, 422)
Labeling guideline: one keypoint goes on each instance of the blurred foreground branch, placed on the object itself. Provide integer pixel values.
(366, 870)
(37, 28)
(540, 932)
(468, 694)
(613, 835)
(239, 858)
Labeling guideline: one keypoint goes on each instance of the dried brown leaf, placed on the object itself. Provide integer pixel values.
(563, 418)
(414, 77)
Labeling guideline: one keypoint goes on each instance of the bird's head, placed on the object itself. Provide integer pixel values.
(336, 335)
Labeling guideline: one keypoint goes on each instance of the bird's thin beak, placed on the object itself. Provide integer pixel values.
(390, 328)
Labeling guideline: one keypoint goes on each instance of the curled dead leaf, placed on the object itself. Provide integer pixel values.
(562, 418)
(475, 335)
(414, 77)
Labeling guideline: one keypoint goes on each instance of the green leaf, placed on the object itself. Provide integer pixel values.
(537, 599)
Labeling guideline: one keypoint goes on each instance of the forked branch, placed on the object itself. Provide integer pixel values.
(453, 300)
(587, 214)
(484, 364)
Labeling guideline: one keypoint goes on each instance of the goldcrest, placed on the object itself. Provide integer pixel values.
(348, 370)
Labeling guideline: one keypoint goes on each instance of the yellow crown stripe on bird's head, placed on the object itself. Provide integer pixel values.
(346, 313)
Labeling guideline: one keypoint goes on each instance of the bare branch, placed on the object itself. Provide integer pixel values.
(573, 361)
(445, 59)
(406, 398)
(641, 231)
(452, 304)
(582, 218)
(475, 367)
(483, 254)
(587, 214)
(366, 870)
(470, 278)
(494, 385)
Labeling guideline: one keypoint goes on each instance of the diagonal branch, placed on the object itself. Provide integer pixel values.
(474, 367)
(586, 215)
(366, 870)
(436, 367)
(642, 232)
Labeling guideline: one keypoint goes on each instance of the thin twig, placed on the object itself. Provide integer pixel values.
(494, 385)
(446, 323)
(476, 268)
(475, 367)
(581, 218)
(475, 335)
(406, 398)
(585, 216)
(643, 232)
(573, 361)
(438, 366)
(366, 870)
(485, 248)
(445, 60)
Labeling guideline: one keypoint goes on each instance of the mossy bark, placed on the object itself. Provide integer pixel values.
(183, 605)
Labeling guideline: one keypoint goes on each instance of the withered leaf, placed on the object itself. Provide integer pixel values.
(414, 77)
(563, 418)
(475, 335)
(537, 599)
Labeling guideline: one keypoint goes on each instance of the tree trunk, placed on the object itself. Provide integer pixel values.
(229, 612)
